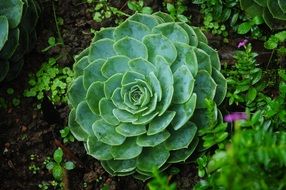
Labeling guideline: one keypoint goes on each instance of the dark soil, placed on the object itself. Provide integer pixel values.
(26, 131)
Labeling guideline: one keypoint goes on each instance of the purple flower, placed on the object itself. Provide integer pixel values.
(235, 116)
(242, 43)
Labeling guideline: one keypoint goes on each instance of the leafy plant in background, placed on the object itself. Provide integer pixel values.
(251, 25)
(66, 135)
(102, 10)
(18, 20)
(131, 107)
(254, 160)
(57, 166)
(160, 182)
(138, 6)
(245, 83)
(273, 12)
(177, 10)
(51, 79)
(276, 42)
(217, 12)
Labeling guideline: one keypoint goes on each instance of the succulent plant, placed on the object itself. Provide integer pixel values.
(18, 19)
(273, 12)
(136, 88)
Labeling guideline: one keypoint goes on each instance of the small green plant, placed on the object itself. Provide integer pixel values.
(251, 25)
(138, 6)
(160, 182)
(52, 42)
(57, 166)
(245, 81)
(177, 10)
(52, 80)
(66, 135)
(33, 167)
(277, 42)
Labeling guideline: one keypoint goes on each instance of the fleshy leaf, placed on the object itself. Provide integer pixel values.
(130, 130)
(183, 154)
(191, 33)
(77, 92)
(122, 166)
(221, 86)
(124, 116)
(104, 33)
(205, 88)
(91, 73)
(164, 16)
(111, 84)
(204, 60)
(200, 35)
(182, 137)
(114, 65)
(183, 112)
(132, 29)
(148, 20)
(101, 49)
(152, 140)
(141, 66)
(155, 83)
(183, 85)
(105, 109)
(131, 48)
(98, 149)
(85, 117)
(159, 124)
(12, 10)
(212, 53)
(158, 44)
(106, 133)
(4, 29)
(131, 77)
(128, 150)
(173, 32)
(152, 157)
(76, 130)
(94, 94)
(143, 120)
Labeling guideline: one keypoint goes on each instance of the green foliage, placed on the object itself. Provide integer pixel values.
(138, 6)
(66, 135)
(136, 88)
(277, 42)
(160, 182)
(51, 79)
(217, 12)
(251, 25)
(254, 160)
(273, 12)
(102, 10)
(177, 10)
(18, 19)
(57, 166)
(245, 83)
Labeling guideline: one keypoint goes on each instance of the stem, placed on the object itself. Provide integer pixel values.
(57, 25)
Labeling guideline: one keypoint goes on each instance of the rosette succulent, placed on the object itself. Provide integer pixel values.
(136, 89)
(18, 19)
(273, 12)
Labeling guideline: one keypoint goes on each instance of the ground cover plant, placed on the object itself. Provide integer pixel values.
(155, 94)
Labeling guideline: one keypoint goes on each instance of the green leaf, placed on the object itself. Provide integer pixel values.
(205, 88)
(147, 10)
(124, 116)
(182, 137)
(111, 84)
(173, 32)
(244, 28)
(94, 94)
(164, 16)
(114, 65)
(183, 112)
(183, 85)
(152, 140)
(193, 40)
(58, 155)
(58, 172)
(131, 77)
(130, 130)
(142, 66)
(104, 33)
(212, 53)
(128, 150)
(101, 49)
(80, 65)
(105, 109)
(12, 10)
(152, 157)
(11, 44)
(221, 86)
(97, 149)
(132, 29)
(251, 95)
(158, 44)
(50, 165)
(148, 20)
(122, 166)
(4, 29)
(92, 73)
(159, 124)
(77, 92)
(155, 83)
(69, 165)
(85, 117)
(204, 60)
(131, 48)
(143, 120)
(106, 133)
(79, 133)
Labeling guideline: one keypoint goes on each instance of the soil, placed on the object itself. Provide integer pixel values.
(29, 135)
